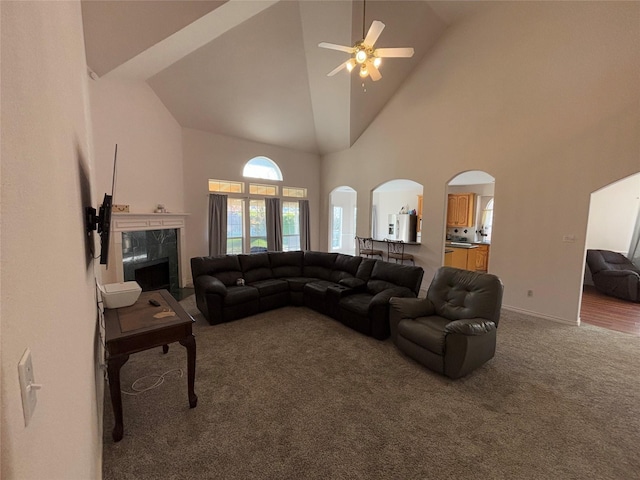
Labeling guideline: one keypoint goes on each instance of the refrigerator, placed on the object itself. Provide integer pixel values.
(402, 226)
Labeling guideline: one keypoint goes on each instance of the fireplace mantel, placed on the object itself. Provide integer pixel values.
(136, 222)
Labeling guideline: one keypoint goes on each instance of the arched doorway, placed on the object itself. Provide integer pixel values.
(342, 220)
(613, 225)
(469, 217)
(396, 197)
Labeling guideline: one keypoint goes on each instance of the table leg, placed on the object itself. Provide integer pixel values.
(189, 342)
(113, 370)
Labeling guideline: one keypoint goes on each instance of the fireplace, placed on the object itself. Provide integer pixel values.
(146, 237)
(153, 275)
(150, 257)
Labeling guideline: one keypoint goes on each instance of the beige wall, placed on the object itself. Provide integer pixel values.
(149, 145)
(542, 96)
(207, 155)
(612, 215)
(149, 166)
(48, 282)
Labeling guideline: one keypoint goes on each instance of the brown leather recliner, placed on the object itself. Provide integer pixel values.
(453, 329)
(614, 274)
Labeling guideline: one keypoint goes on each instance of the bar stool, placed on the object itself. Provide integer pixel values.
(395, 250)
(365, 247)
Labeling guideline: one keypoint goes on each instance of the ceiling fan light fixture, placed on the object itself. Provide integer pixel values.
(361, 55)
(351, 63)
(363, 71)
(377, 61)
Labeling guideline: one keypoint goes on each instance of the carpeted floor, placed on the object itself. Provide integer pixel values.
(292, 394)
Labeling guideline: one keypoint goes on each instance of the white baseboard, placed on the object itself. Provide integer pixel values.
(542, 315)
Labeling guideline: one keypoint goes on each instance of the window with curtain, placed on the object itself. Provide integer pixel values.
(247, 212)
(257, 226)
(290, 226)
(235, 225)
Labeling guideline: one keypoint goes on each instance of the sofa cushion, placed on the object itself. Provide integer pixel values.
(377, 286)
(225, 268)
(399, 275)
(255, 267)
(243, 294)
(345, 266)
(318, 287)
(270, 286)
(286, 264)
(364, 269)
(318, 265)
(296, 284)
(428, 332)
(358, 303)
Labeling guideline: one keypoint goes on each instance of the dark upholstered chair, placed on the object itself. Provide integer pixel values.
(453, 330)
(614, 274)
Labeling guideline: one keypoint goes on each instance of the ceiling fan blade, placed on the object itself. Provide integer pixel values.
(394, 52)
(374, 32)
(333, 46)
(374, 73)
(337, 69)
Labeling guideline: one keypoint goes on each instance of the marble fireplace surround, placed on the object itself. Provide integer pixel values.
(136, 222)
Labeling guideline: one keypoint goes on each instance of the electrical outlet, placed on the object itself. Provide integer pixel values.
(569, 238)
(529, 293)
(28, 386)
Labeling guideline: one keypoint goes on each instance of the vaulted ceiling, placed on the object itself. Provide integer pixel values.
(253, 69)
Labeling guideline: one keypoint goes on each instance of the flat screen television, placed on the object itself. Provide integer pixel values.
(102, 221)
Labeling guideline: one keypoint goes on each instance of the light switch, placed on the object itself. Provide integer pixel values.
(28, 386)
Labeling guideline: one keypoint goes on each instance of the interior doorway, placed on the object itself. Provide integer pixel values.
(343, 212)
(614, 212)
(469, 220)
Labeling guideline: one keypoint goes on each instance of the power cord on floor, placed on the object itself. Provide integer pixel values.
(159, 381)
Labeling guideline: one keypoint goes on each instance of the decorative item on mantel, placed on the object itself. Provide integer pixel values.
(160, 209)
(120, 208)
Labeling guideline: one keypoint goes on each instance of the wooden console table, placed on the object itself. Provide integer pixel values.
(140, 327)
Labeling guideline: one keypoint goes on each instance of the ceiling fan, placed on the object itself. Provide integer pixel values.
(364, 53)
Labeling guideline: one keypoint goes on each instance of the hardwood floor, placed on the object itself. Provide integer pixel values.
(608, 312)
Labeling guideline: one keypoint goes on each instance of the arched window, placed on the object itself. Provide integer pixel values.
(262, 167)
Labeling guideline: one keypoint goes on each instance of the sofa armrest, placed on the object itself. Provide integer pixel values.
(384, 296)
(412, 307)
(209, 284)
(471, 326)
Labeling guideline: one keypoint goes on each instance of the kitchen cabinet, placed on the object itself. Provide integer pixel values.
(419, 212)
(464, 258)
(482, 258)
(460, 208)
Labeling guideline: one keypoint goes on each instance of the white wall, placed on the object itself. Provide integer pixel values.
(149, 167)
(543, 96)
(207, 155)
(48, 284)
(389, 203)
(612, 216)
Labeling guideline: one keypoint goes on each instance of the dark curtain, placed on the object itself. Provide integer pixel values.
(305, 235)
(217, 224)
(634, 248)
(274, 224)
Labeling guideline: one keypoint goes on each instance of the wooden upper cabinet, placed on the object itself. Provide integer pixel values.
(460, 207)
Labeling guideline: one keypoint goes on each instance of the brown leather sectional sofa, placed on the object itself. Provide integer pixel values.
(352, 290)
